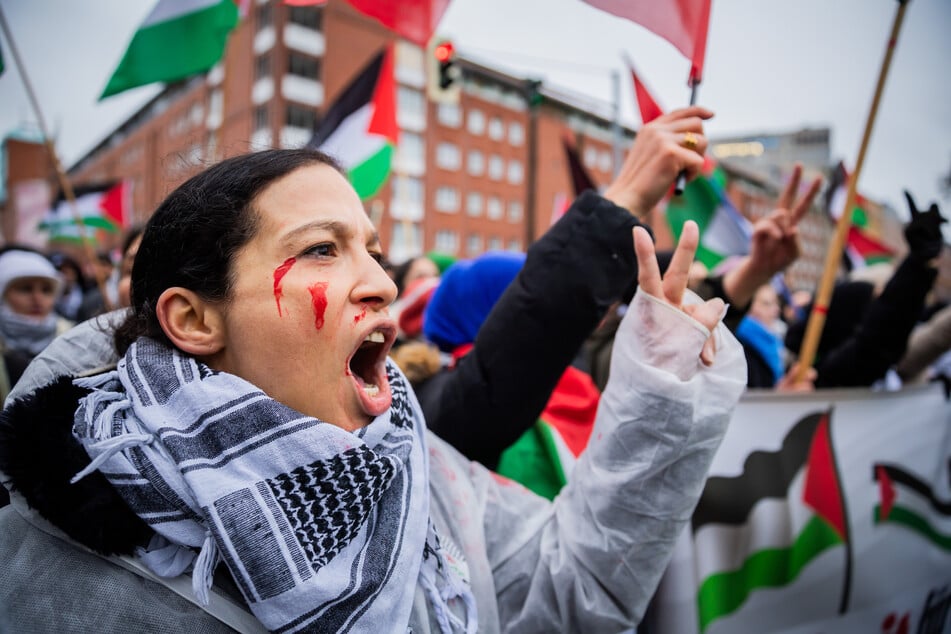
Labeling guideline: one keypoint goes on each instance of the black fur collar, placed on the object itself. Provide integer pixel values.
(40, 456)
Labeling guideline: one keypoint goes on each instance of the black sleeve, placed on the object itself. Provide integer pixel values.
(880, 340)
(712, 286)
(570, 277)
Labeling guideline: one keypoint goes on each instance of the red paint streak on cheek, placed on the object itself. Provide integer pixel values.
(359, 318)
(279, 274)
(318, 299)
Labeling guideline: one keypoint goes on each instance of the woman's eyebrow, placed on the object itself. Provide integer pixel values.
(339, 230)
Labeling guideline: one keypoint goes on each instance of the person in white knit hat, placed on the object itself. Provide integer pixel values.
(29, 287)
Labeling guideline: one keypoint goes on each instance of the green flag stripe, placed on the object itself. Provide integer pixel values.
(723, 593)
(551, 445)
(97, 222)
(368, 177)
(917, 523)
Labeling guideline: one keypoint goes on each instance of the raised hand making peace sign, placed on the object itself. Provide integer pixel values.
(670, 289)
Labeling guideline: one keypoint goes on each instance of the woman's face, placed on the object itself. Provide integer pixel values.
(31, 296)
(421, 268)
(307, 321)
(765, 306)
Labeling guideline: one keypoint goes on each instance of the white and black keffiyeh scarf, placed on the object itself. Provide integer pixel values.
(321, 528)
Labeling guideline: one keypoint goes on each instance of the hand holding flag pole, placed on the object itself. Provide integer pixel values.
(51, 149)
(820, 306)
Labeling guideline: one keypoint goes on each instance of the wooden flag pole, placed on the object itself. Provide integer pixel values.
(60, 172)
(820, 305)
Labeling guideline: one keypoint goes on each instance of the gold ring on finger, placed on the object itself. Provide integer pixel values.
(690, 141)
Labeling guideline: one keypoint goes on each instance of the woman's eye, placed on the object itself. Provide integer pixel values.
(324, 249)
(377, 256)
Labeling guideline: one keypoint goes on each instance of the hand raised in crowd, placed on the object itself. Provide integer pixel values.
(671, 287)
(795, 380)
(662, 148)
(775, 241)
(923, 231)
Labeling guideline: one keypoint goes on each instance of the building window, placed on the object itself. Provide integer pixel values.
(448, 156)
(495, 243)
(407, 191)
(407, 239)
(410, 151)
(605, 161)
(261, 119)
(309, 17)
(301, 116)
(515, 174)
(447, 199)
(410, 104)
(447, 242)
(303, 65)
(474, 204)
(515, 211)
(265, 17)
(496, 129)
(475, 122)
(496, 167)
(473, 244)
(449, 115)
(262, 66)
(475, 163)
(516, 133)
(493, 209)
(515, 245)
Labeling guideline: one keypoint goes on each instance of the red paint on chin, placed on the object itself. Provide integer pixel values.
(359, 318)
(279, 274)
(318, 299)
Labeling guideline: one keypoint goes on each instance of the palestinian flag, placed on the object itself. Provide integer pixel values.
(360, 128)
(178, 38)
(724, 231)
(542, 458)
(861, 248)
(101, 207)
(909, 501)
(796, 491)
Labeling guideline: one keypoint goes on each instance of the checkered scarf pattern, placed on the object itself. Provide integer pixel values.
(319, 527)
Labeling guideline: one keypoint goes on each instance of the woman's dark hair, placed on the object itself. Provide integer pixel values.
(193, 236)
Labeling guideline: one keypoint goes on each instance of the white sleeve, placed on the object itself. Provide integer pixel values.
(593, 564)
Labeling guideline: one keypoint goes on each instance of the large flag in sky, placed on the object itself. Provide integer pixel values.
(101, 207)
(861, 248)
(648, 106)
(178, 38)
(724, 231)
(683, 23)
(803, 472)
(416, 20)
(360, 128)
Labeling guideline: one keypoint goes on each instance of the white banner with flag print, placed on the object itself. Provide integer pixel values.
(823, 512)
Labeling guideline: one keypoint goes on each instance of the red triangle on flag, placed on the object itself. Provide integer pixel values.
(822, 490)
(886, 490)
(383, 120)
(114, 203)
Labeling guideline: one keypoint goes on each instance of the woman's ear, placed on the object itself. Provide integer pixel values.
(194, 325)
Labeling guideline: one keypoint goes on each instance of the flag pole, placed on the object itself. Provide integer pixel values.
(820, 304)
(64, 183)
(682, 177)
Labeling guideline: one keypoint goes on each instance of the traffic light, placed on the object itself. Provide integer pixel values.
(444, 75)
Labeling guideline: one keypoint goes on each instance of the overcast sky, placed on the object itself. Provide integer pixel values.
(771, 66)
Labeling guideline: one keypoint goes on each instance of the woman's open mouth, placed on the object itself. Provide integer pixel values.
(367, 367)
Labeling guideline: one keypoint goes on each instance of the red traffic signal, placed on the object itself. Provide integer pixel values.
(444, 52)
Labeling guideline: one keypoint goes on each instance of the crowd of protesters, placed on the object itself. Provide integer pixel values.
(105, 435)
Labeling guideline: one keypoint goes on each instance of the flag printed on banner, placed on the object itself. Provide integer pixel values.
(861, 248)
(647, 105)
(101, 207)
(360, 128)
(683, 23)
(178, 38)
(416, 20)
(724, 231)
(907, 500)
(801, 474)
